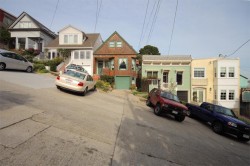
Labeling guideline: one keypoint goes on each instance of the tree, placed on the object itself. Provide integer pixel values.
(5, 36)
(64, 52)
(149, 50)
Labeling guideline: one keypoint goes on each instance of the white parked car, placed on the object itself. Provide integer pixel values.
(75, 81)
(11, 60)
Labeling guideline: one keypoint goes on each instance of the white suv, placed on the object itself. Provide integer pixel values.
(11, 60)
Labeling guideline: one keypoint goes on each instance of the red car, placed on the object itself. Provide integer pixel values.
(164, 101)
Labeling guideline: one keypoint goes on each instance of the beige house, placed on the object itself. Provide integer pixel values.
(202, 80)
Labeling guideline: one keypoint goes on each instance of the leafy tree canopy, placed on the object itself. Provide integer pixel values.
(149, 50)
(4, 35)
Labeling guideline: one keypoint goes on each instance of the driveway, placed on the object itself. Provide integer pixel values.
(40, 125)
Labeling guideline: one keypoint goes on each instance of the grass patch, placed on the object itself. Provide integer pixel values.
(140, 94)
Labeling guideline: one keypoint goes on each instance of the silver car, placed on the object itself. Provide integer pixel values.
(11, 60)
(75, 81)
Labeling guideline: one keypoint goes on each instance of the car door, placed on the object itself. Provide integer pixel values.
(22, 62)
(207, 113)
(8, 59)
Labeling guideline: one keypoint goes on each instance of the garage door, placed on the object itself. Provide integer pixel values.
(183, 95)
(122, 82)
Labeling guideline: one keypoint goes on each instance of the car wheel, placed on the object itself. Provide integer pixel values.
(148, 102)
(158, 110)
(180, 118)
(85, 91)
(29, 69)
(58, 87)
(2, 66)
(217, 127)
(240, 138)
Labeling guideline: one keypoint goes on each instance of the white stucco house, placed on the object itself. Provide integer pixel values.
(30, 33)
(82, 45)
(227, 82)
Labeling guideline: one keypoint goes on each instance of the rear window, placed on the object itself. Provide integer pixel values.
(75, 74)
(6, 54)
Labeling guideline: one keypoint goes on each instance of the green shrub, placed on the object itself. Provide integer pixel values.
(42, 71)
(105, 86)
(38, 66)
(109, 79)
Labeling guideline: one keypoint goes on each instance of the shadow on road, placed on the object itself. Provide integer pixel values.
(10, 99)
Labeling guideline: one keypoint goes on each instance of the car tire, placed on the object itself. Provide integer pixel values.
(180, 118)
(2, 66)
(58, 87)
(240, 138)
(157, 110)
(217, 127)
(29, 69)
(85, 91)
(148, 102)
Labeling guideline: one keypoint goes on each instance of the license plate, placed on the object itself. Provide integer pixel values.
(68, 81)
(246, 136)
(175, 112)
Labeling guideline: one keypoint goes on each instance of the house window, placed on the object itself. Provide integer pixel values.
(82, 54)
(231, 95)
(223, 94)
(133, 64)
(123, 63)
(88, 54)
(25, 24)
(215, 94)
(49, 55)
(76, 55)
(231, 72)
(223, 72)
(53, 55)
(111, 44)
(165, 77)
(119, 44)
(199, 72)
(65, 38)
(179, 77)
(71, 39)
(152, 74)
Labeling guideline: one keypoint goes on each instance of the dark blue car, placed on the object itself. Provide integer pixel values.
(222, 119)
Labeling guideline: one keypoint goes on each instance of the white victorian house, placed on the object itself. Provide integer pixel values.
(29, 33)
(82, 45)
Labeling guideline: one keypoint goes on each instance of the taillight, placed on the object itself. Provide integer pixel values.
(58, 77)
(80, 84)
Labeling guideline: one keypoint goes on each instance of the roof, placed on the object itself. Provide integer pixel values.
(167, 57)
(40, 25)
(73, 28)
(8, 13)
(98, 51)
(89, 42)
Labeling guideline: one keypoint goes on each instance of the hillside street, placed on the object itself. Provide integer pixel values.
(41, 125)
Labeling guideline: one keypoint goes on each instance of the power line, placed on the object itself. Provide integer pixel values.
(173, 27)
(238, 48)
(143, 25)
(98, 9)
(54, 14)
(154, 20)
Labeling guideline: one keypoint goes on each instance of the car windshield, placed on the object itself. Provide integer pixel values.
(75, 74)
(225, 111)
(170, 96)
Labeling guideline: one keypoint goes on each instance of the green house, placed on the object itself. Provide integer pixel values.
(171, 73)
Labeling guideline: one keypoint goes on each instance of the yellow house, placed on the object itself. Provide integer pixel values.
(202, 80)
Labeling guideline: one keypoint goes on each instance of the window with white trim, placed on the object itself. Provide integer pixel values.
(82, 54)
(88, 53)
(231, 72)
(76, 55)
(71, 39)
(223, 94)
(199, 72)
(25, 24)
(119, 44)
(231, 95)
(223, 71)
(112, 44)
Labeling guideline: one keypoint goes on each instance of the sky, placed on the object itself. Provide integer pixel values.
(202, 29)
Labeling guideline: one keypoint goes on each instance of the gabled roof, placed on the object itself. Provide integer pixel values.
(41, 26)
(70, 26)
(89, 42)
(106, 42)
(167, 57)
(11, 15)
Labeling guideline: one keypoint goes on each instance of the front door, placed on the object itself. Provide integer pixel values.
(198, 95)
(99, 67)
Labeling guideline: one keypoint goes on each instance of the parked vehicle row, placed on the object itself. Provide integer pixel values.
(164, 101)
(11, 60)
(222, 120)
